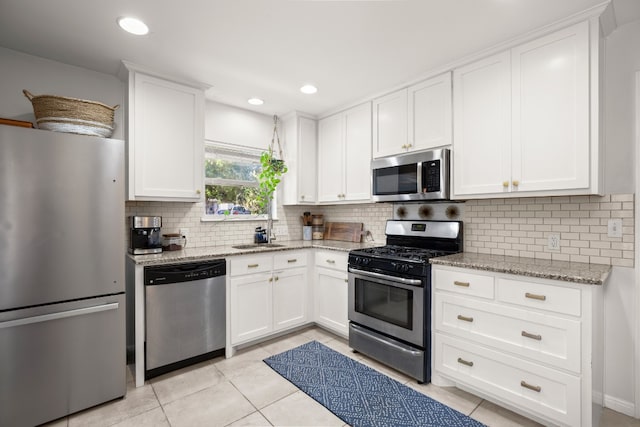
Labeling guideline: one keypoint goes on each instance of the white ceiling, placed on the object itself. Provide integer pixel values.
(269, 48)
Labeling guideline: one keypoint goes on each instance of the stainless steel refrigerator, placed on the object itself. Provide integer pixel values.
(62, 302)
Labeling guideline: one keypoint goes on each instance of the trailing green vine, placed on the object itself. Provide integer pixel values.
(272, 169)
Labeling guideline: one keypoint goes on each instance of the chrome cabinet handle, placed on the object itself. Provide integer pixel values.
(466, 319)
(463, 284)
(532, 336)
(464, 362)
(534, 296)
(535, 388)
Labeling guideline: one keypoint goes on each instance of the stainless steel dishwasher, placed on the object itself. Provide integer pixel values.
(185, 314)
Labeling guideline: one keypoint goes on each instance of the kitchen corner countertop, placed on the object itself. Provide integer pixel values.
(577, 272)
(209, 252)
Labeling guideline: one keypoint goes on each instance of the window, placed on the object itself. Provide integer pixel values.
(231, 181)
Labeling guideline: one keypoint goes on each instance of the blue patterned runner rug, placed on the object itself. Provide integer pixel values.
(359, 395)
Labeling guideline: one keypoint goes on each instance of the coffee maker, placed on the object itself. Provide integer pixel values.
(145, 235)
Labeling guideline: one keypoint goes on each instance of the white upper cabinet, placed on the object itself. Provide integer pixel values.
(522, 120)
(344, 156)
(415, 118)
(482, 112)
(430, 113)
(300, 151)
(166, 139)
(550, 131)
(390, 124)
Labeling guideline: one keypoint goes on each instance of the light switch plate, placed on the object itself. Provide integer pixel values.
(614, 227)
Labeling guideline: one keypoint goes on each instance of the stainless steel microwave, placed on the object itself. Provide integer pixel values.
(411, 176)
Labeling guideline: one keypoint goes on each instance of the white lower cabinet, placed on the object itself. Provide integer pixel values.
(330, 291)
(268, 293)
(531, 345)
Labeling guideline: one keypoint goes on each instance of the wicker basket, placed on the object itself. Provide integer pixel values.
(62, 114)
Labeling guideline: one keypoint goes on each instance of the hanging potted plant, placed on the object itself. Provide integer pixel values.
(270, 176)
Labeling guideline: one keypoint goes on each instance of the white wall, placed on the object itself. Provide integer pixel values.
(622, 59)
(42, 76)
(224, 123)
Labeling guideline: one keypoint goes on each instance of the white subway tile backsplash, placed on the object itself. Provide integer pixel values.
(516, 227)
(581, 222)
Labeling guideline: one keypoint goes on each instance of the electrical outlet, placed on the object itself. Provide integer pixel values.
(554, 242)
(183, 232)
(614, 228)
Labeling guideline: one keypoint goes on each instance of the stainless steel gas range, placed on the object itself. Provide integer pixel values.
(390, 294)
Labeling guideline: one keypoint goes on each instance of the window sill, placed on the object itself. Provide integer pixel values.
(234, 218)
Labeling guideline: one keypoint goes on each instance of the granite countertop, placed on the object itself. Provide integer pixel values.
(209, 252)
(577, 272)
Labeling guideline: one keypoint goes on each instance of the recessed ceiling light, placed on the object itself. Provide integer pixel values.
(255, 101)
(133, 25)
(308, 89)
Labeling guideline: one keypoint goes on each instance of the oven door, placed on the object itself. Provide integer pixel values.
(391, 305)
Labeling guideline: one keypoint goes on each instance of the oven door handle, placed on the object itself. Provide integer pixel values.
(413, 282)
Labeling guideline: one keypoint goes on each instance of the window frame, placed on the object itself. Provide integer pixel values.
(232, 150)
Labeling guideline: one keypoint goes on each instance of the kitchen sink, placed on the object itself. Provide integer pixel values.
(257, 246)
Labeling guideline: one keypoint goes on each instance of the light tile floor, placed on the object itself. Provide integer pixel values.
(243, 391)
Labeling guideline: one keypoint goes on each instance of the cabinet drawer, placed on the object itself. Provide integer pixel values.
(289, 260)
(477, 285)
(332, 259)
(543, 391)
(250, 264)
(540, 337)
(558, 299)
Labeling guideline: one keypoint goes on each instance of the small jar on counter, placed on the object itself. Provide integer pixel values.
(317, 232)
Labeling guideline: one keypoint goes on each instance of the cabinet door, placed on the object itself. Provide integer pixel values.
(331, 304)
(390, 124)
(307, 176)
(551, 111)
(289, 298)
(166, 132)
(357, 131)
(482, 132)
(251, 308)
(330, 159)
(429, 114)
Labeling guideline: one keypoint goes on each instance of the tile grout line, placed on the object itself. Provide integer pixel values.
(160, 404)
(477, 406)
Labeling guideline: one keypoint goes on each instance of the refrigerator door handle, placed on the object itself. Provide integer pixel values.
(60, 315)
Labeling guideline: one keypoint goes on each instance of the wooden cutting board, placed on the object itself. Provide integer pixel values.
(343, 231)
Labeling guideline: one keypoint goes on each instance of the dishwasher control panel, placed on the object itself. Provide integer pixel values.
(184, 272)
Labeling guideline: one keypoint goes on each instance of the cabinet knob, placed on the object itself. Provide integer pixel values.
(516, 183)
(302, 197)
(409, 145)
(198, 191)
(404, 145)
(505, 184)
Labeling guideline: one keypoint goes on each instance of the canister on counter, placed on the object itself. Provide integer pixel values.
(317, 232)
